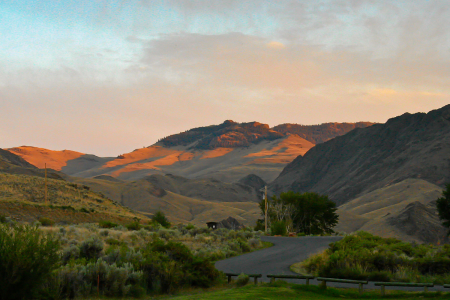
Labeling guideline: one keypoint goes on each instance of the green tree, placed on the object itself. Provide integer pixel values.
(309, 213)
(160, 218)
(443, 207)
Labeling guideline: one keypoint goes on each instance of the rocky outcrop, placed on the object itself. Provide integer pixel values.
(230, 223)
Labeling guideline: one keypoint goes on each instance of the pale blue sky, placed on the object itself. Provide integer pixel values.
(106, 77)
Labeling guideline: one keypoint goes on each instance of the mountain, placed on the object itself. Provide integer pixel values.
(371, 161)
(321, 133)
(226, 152)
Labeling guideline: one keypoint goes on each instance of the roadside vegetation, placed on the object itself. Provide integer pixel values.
(304, 214)
(363, 256)
(111, 260)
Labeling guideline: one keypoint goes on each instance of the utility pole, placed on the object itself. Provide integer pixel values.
(45, 192)
(265, 197)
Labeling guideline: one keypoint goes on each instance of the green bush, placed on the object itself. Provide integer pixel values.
(2, 219)
(160, 218)
(242, 279)
(278, 228)
(260, 225)
(46, 221)
(27, 259)
(107, 224)
(114, 242)
(71, 252)
(91, 248)
(369, 257)
(74, 281)
(133, 226)
(169, 266)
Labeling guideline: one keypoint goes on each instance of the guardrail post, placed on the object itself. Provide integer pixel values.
(256, 279)
(229, 278)
(383, 292)
(307, 281)
(425, 289)
(360, 289)
(272, 280)
(323, 284)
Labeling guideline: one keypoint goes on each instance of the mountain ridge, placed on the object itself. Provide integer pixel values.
(226, 152)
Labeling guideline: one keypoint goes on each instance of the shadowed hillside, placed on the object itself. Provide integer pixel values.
(408, 146)
(321, 133)
(384, 177)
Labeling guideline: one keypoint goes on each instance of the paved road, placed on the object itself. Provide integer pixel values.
(285, 252)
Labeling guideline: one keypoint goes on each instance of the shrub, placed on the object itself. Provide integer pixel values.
(278, 228)
(133, 226)
(111, 280)
(2, 219)
(260, 225)
(160, 218)
(91, 248)
(114, 242)
(71, 252)
(190, 226)
(254, 243)
(27, 259)
(84, 210)
(243, 245)
(107, 224)
(169, 266)
(242, 279)
(46, 221)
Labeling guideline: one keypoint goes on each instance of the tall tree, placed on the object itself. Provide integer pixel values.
(443, 207)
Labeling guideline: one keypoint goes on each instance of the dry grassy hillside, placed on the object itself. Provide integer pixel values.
(159, 193)
(22, 198)
(404, 210)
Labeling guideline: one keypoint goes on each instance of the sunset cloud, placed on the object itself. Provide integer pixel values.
(112, 76)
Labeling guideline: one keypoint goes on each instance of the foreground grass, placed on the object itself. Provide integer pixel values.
(283, 290)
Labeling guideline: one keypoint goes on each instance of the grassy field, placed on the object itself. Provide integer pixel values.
(283, 290)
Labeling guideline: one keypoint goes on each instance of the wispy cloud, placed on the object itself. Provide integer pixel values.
(106, 77)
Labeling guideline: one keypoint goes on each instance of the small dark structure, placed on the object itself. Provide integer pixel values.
(212, 225)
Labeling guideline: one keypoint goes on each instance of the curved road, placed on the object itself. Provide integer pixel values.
(285, 252)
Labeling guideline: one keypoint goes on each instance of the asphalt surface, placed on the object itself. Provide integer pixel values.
(285, 252)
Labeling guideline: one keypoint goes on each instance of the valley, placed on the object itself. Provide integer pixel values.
(385, 178)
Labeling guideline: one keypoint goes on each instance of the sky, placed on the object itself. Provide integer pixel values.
(106, 77)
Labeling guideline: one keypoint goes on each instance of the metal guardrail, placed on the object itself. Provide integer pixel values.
(324, 281)
(425, 285)
(255, 276)
(307, 277)
(360, 283)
